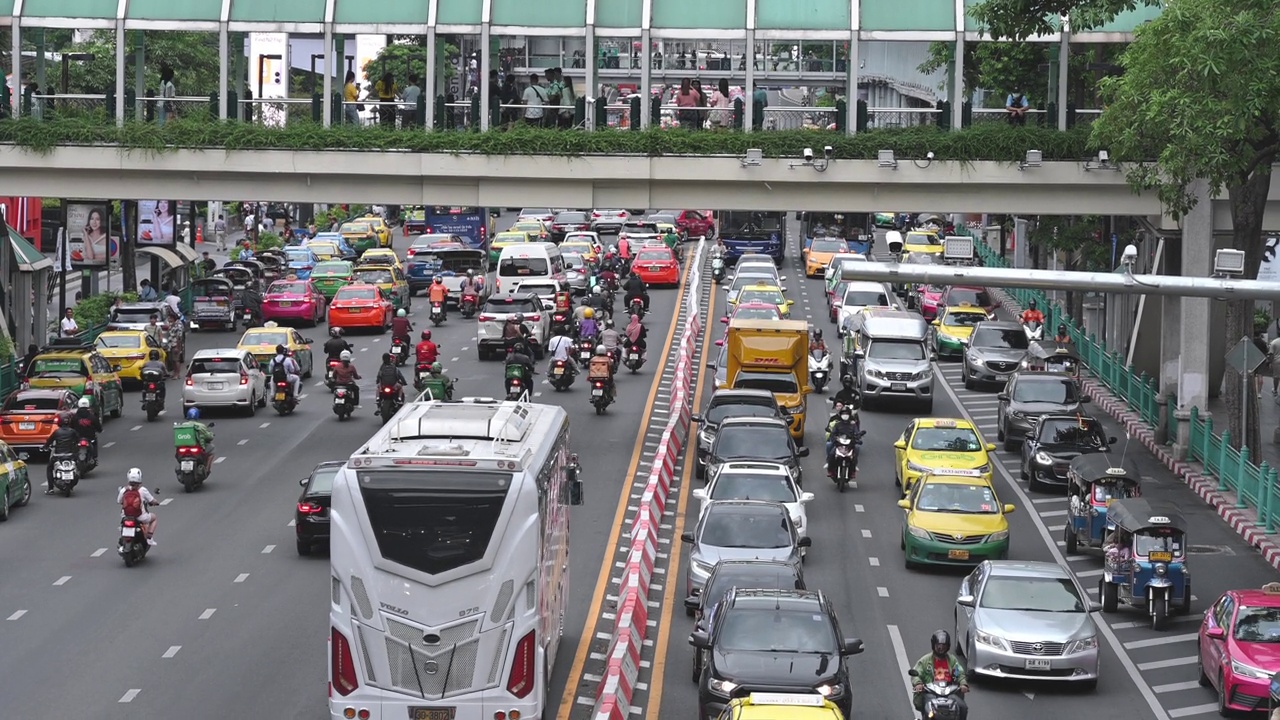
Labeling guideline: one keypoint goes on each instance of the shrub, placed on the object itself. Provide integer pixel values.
(93, 311)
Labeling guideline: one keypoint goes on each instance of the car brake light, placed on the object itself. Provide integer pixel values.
(428, 232)
(486, 318)
(244, 379)
(88, 386)
(521, 680)
(533, 318)
(307, 508)
(342, 666)
(190, 381)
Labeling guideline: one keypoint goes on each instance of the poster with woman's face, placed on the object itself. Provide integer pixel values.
(157, 222)
(89, 235)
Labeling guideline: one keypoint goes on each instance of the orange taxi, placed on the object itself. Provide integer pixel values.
(361, 306)
(29, 417)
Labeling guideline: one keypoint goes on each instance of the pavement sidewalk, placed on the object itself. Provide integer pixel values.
(1268, 423)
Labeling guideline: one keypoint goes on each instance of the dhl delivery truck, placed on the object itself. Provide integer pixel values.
(771, 355)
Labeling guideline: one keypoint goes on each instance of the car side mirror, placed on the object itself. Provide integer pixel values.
(904, 504)
(700, 493)
(24, 456)
(802, 452)
(781, 278)
(804, 542)
(1215, 633)
(991, 447)
(1008, 508)
(686, 537)
(116, 368)
(691, 603)
(966, 601)
(303, 482)
(725, 319)
(1094, 607)
(1111, 440)
(851, 646)
(859, 354)
(1003, 397)
(804, 497)
(900, 445)
(695, 418)
(1085, 399)
(936, 323)
(307, 341)
(700, 639)
(720, 342)
(711, 366)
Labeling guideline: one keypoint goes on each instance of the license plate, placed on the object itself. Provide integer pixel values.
(149, 397)
(398, 350)
(422, 713)
(1039, 664)
(558, 371)
(66, 475)
(213, 386)
(1158, 556)
(188, 465)
(285, 303)
(654, 268)
(27, 426)
(128, 532)
(353, 310)
(339, 400)
(958, 554)
(280, 396)
(898, 387)
(598, 392)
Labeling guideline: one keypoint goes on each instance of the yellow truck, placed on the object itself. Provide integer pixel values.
(771, 355)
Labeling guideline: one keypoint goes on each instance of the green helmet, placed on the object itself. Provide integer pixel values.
(436, 368)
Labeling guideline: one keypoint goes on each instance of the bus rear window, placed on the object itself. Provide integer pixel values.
(520, 267)
(433, 521)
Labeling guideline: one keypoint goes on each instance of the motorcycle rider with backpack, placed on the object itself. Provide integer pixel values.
(285, 369)
(135, 501)
(389, 376)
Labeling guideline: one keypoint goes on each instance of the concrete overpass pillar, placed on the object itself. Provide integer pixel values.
(958, 95)
(749, 85)
(1170, 344)
(1193, 355)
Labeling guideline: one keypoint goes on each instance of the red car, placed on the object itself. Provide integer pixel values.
(693, 222)
(361, 306)
(1239, 649)
(930, 299)
(293, 300)
(656, 266)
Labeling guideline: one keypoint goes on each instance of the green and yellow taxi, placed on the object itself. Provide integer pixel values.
(885, 220)
(360, 235)
(381, 256)
(261, 343)
(128, 351)
(954, 517)
(781, 706)
(390, 279)
(925, 242)
(768, 294)
(538, 229)
(507, 239)
(15, 481)
(935, 445)
(80, 369)
(952, 328)
(331, 276)
(380, 228)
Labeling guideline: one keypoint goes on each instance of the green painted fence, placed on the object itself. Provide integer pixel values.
(1255, 486)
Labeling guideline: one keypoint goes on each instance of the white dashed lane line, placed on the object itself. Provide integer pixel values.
(166, 501)
(207, 614)
(62, 580)
(129, 696)
(267, 550)
(17, 615)
(173, 650)
(98, 553)
(242, 442)
(242, 577)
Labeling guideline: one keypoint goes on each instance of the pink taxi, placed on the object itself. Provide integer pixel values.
(294, 300)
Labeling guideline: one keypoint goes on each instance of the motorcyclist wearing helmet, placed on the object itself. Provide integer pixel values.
(1062, 336)
(155, 369)
(335, 345)
(439, 293)
(635, 288)
(401, 328)
(600, 302)
(560, 347)
(204, 435)
(587, 327)
(816, 342)
(600, 369)
(609, 337)
(519, 355)
(438, 374)
(940, 665)
(471, 286)
(607, 279)
(389, 375)
(1031, 314)
(88, 425)
(514, 331)
(426, 351)
(146, 517)
(284, 366)
(583, 308)
(847, 395)
(346, 375)
(62, 444)
(846, 423)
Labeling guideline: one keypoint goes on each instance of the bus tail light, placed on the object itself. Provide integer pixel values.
(342, 666)
(522, 679)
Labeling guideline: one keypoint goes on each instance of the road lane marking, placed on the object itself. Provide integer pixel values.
(858, 508)
(62, 580)
(875, 561)
(242, 442)
(1178, 686)
(1162, 640)
(173, 650)
(17, 615)
(107, 445)
(1040, 501)
(1147, 623)
(129, 696)
(135, 428)
(166, 501)
(866, 533)
(292, 522)
(219, 459)
(242, 577)
(98, 553)
(1053, 513)
(1194, 710)
(1172, 662)
(1090, 573)
(882, 591)
(263, 425)
(267, 550)
(208, 613)
(900, 653)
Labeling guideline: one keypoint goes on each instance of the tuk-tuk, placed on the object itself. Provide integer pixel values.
(274, 265)
(212, 304)
(253, 266)
(1050, 356)
(1094, 482)
(1145, 560)
(243, 283)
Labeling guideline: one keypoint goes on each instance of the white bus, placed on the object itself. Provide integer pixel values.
(450, 563)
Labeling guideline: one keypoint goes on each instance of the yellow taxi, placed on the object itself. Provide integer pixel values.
(781, 706)
(935, 445)
(925, 242)
(819, 254)
(578, 247)
(324, 250)
(768, 294)
(380, 228)
(954, 517)
(381, 256)
(81, 369)
(952, 328)
(261, 342)
(536, 228)
(389, 278)
(128, 351)
(505, 239)
(666, 227)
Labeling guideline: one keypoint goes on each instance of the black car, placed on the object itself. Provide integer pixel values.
(783, 641)
(1054, 442)
(567, 222)
(1030, 395)
(728, 403)
(312, 515)
(742, 574)
(754, 438)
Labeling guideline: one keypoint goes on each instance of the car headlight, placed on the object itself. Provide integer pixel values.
(1248, 671)
(912, 467)
(1161, 569)
(700, 568)
(985, 469)
(872, 372)
(830, 691)
(1043, 458)
(705, 438)
(924, 375)
(1081, 645)
(963, 340)
(1016, 415)
(990, 640)
(918, 532)
(973, 358)
(721, 687)
(1000, 536)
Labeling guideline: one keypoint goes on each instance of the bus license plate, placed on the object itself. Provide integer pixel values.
(1039, 664)
(280, 396)
(422, 713)
(1158, 556)
(27, 426)
(188, 465)
(898, 387)
(958, 554)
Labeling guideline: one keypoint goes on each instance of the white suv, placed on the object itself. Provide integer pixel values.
(532, 311)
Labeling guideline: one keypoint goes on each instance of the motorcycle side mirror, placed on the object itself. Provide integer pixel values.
(966, 601)
(210, 424)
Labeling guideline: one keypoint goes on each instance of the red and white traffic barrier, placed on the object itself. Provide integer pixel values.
(622, 663)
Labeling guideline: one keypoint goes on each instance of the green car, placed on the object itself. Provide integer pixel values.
(885, 220)
(15, 482)
(359, 235)
(331, 276)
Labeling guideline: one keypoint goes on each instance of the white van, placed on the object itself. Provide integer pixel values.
(528, 261)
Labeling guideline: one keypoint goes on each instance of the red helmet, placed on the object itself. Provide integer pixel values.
(426, 334)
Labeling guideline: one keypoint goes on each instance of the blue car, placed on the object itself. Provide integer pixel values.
(301, 261)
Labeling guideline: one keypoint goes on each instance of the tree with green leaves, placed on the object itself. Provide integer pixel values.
(193, 57)
(1002, 67)
(408, 54)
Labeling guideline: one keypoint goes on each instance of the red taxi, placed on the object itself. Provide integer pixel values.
(1239, 649)
(753, 311)
(293, 300)
(29, 417)
(656, 266)
(361, 306)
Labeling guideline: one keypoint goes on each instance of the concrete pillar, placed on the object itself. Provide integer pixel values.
(646, 80)
(749, 86)
(851, 85)
(41, 64)
(15, 55)
(486, 61)
(957, 86)
(1064, 60)
(1196, 318)
(590, 87)
(139, 76)
(224, 72)
(429, 84)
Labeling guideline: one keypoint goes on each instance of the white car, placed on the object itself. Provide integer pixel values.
(545, 289)
(758, 480)
(743, 279)
(533, 312)
(608, 221)
(837, 261)
(224, 377)
(859, 295)
(545, 215)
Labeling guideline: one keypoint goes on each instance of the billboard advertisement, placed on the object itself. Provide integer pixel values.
(157, 222)
(269, 74)
(88, 235)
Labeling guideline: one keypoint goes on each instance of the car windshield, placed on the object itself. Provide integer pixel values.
(536, 288)
(535, 212)
(946, 440)
(784, 383)
(299, 255)
(332, 269)
(742, 280)
(761, 296)
(777, 630)
(1032, 594)
(754, 441)
(375, 276)
(323, 249)
(957, 498)
(922, 239)
(266, 338)
(653, 257)
(967, 296)
(43, 366)
(504, 306)
(746, 530)
(1009, 339)
(753, 486)
(571, 217)
(356, 294)
(769, 312)
(288, 287)
(829, 246)
(640, 228)
(717, 414)
(963, 319)
(574, 261)
(510, 237)
(1045, 390)
(1258, 624)
(865, 298)
(355, 229)
(516, 267)
(1158, 540)
(528, 227)
(322, 479)
(133, 316)
(18, 402)
(1082, 432)
(119, 341)
(209, 366)
(895, 350)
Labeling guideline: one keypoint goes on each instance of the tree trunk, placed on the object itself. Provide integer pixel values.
(1248, 203)
(128, 260)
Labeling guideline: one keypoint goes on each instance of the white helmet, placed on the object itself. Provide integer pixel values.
(345, 355)
(83, 402)
(135, 476)
(600, 350)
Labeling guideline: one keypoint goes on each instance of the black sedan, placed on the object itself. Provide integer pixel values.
(754, 438)
(312, 515)
(737, 574)
(1056, 440)
(1029, 395)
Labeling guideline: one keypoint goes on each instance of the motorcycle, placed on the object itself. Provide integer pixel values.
(328, 373)
(562, 374)
(66, 473)
(344, 402)
(517, 383)
(941, 700)
(389, 401)
(152, 397)
(561, 323)
(437, 313)
(819, 369)
(133, 545)
(283, 399)
(399, 352)
(633, 359)
(247, 317)
(586, 348)
(717, 269)
(845, 459)
(636, 307)
(193, 466)
(421, 371)
(601, 396)
(615, 357)
(468, 306)
(1034, 331)
(85, 461)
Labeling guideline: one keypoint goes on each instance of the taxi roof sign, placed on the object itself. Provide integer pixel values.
(1159, 520)
(1271, 588)
(802, 699)
(1121, 471)
(944, 423)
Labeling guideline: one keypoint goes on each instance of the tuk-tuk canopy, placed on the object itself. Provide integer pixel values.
(236, 274)
(1103, 467)
(252, 266)
(1134, 514)
(211, 287)
(1047, 349)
